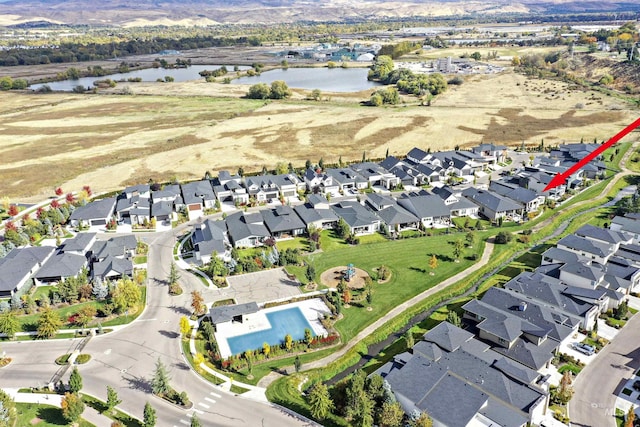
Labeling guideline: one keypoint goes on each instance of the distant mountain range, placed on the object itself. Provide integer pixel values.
(203, 12)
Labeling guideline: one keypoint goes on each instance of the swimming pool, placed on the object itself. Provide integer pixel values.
(288, 321)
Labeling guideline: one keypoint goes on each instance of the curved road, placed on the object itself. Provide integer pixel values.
(125, 359)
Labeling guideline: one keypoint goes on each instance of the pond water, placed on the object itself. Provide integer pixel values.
(325, 79)
(147, 75)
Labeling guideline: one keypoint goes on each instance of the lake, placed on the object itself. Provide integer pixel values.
(325, 79)
(147, 75)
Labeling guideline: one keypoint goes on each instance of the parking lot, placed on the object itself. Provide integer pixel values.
(259, 287)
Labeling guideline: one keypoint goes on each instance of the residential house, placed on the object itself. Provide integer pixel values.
(197, 197)
(163, 212)
(359, 219)
(94, 214)
(135, 210)
(112, 268)
(169, 193)
(80, 244)
(593, 250)
(348, 179)
(117, 247)
(450, 365)
(229, 188)
(318, 181)
(528, 198)
(537, 180)
(247, 230)
(316, 213)
(630, 223)
(140, 190)
(283, 222)
(418, 155)
(493, 205)
(491, 153)
(430, 209)
(19, 265)
(210, 238)
(456, 203)
(376, 175)
(61, 266)
(395, 217)
(272, 187)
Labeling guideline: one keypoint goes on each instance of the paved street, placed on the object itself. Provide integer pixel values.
(125, 359)
(597, 386)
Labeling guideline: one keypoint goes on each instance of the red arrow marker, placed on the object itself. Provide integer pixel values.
(560, 178)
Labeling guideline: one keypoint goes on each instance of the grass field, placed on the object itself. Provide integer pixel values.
(184, 129)
(43, 416)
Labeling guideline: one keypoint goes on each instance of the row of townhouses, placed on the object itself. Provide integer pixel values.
(496, 368)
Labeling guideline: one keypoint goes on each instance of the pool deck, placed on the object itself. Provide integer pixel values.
(311, 310)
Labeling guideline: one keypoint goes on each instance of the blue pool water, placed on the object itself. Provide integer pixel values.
(288, 321)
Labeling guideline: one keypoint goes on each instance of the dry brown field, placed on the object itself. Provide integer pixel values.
(181, 130)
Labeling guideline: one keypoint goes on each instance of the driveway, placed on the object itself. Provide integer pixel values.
(600, 382)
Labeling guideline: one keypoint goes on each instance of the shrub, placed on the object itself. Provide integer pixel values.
(503, 237)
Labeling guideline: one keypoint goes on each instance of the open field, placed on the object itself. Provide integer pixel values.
(184, 129)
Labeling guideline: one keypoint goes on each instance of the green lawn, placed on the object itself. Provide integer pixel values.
(42, 292)
(140, 259)
(296, 243)
(115, 414)
(408, 260)
(49, 416)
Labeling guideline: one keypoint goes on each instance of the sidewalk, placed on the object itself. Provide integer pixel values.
(89, 414)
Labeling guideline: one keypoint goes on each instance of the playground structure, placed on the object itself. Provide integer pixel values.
(349, 273)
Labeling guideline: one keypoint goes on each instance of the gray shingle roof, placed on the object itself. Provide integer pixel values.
(115, 246)
(593, 272)
(61, 265)
(226, 313)
(122, 266)
(582, 244)
(196, 192)
(529, 354)
(19, 262)
(79, 243)
(431, 206)
(241, 226)
(309, 214)
(355, 214)
(560, 255)
(209, 237)
(94, 210)
(162, 209)
(490, 200)
(627, 224)
(602, 234)
(447, 336)
(282, 219)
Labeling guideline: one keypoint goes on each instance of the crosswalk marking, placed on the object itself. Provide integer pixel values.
(215, 395)
(187, 423)
(209, 400)
(204, 405)
(189, 415)
(198, 411)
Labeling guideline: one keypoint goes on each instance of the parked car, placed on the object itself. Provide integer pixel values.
(584, 348)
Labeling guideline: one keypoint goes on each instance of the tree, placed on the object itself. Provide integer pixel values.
(197, 303)
(308, 336)
(503, 237)
(112, 399)
(8, 413)
(320, 401)
(75, 381)
(408, 338)
(185, 327)
(279, 90)
(342, 229)
(391, 415)
(266, 349)
(99, 289)
(565, 391)
(433, 262)
(13, 210)
(316, 95)
(9, 324)
(346, 296)
(216, 266)
(458, 245)
(48, 323)
(72, 407)
(310, 273)
(631, 416)
(453, 318)
(160, 381)
(297, 363)
(288, 342)
(476, 56)
(195, 421)
(258, 91)
(149, 416)
(126, 295)
(174, 276)
(59, 191)
(470, 238)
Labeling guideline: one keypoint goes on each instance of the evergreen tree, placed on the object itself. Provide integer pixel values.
(195, 422)
(160, 381)
(112, 399)
(453, 318)
(8, 413)
(149, 416)
(408, 338)
(75, 381)
(320, 401)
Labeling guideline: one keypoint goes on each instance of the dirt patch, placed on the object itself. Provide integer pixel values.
(332, 277)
